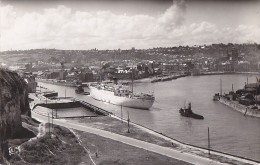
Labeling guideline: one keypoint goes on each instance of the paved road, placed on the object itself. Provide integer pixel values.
(193, 159)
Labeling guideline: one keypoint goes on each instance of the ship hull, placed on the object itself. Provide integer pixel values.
(109, 97)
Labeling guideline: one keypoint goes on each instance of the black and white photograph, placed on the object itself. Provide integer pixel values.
(129, 82)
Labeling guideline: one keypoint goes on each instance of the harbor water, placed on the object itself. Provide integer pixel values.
(230, 131)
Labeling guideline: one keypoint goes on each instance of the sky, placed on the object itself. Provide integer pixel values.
(114, 24)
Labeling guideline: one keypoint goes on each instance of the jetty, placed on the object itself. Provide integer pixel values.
(253, 111)
(61, 82)
(244, 100)
(222, 73)
(167, 77)
(63, 107)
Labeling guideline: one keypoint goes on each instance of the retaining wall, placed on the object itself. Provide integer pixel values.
(240, 108)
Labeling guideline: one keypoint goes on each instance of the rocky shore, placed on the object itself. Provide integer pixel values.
(13, 104)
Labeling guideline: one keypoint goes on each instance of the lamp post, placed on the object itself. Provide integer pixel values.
(49, 124)
(1, 130)
(52, 118)
(208, 142)
(121, 114)
(128, 121)
(220, 87)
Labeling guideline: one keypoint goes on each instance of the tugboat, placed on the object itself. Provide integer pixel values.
(80, 90)
(187, 112)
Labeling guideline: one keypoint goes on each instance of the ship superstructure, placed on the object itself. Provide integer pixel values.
(120, 95)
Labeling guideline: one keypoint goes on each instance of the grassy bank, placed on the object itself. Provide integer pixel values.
(116, 126)
(109, 152)
(63, 146)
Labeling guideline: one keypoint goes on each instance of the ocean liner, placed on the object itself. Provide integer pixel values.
(120, 95)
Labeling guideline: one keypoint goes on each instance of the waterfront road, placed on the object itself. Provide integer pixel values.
(190, 158)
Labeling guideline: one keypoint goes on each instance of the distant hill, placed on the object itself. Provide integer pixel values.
(161, 53)
(53, 60)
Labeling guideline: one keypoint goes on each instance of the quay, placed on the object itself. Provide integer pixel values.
(243, 100)
(63, 107)
(167, 77)
(141, 80)
(223, 73)
(59, 82)
(245, 110)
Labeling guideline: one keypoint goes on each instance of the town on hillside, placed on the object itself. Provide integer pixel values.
(96, 65)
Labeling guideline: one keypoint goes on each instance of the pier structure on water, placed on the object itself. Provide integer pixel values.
(246, 101)
(64, 107)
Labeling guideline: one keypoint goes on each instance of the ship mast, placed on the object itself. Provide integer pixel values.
(132, 77)
(100, 72)
(220, 87)
(256, 98)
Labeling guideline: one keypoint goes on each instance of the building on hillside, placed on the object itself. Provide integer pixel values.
(51, 75)
(62, 74)
(243, 66)
(72, 77)
(89, 77)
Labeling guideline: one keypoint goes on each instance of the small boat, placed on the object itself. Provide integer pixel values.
(80, 90)
(187, 112)
(216, 97)
(85, 93)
